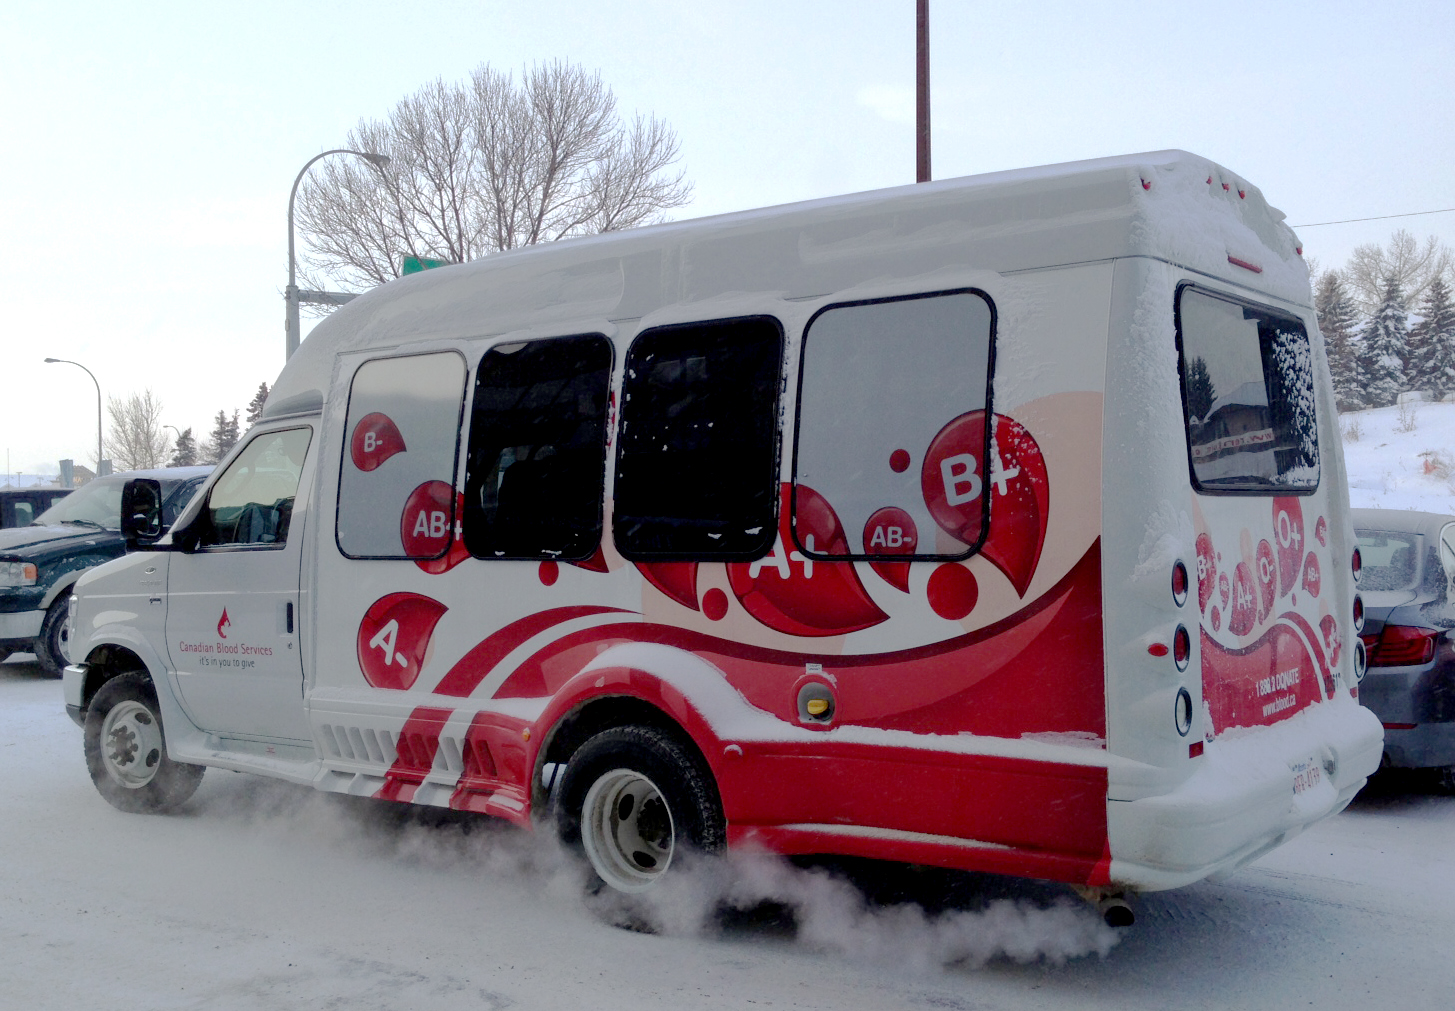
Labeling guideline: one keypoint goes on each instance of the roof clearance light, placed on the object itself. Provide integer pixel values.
(1146, 184)
(1181, 647)
(1242, 194)
(1179, 583)
(1244, 264)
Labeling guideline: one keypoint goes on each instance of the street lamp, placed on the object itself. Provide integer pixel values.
(290, 294)
(67, 361)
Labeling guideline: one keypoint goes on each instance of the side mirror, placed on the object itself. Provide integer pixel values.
(141, 512)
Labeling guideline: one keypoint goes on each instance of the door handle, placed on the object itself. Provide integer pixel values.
(285, 617)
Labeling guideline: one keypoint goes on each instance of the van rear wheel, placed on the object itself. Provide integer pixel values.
(634, 799)
(126, 752)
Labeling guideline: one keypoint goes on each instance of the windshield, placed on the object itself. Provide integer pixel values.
(95, 504)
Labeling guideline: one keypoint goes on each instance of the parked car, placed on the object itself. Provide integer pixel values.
(40, 562)
(20, 506)
(1408, 564)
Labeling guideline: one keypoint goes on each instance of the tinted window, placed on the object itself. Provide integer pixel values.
(397, 477)
(252, 502)
(879, 382)
(697, 471)
(537, 458)
(24, 513)
(1248, 392)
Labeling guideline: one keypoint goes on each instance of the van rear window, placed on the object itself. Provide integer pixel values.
(537, 454)
(697, 463)
(1248, 396)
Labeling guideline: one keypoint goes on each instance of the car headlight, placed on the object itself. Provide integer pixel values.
(17, 573)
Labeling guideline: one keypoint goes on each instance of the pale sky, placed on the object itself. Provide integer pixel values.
(149, 147)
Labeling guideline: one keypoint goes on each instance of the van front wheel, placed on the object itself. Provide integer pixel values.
(633, 799)
(126, 752)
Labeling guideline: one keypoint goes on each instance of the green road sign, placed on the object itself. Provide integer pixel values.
(414, 264)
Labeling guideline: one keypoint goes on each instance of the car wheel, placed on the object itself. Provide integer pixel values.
(126, 752)
(633, 799)
(50, 645)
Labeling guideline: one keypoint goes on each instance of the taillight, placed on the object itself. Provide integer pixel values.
(1357, 564)
(1358, 614)
(1181, 647)
(1401, 646)
(1179, 584)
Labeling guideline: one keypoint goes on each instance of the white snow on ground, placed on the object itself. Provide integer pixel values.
(264, 895)
(1401, 457)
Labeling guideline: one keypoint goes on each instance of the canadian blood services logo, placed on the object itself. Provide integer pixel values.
(223, 624)
(394, 639)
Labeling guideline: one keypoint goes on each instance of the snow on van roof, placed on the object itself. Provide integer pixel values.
(1170, 205)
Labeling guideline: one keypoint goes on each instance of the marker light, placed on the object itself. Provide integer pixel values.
(1179, 584)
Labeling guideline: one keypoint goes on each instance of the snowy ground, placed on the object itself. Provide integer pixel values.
(1401, 457)
(262, 895)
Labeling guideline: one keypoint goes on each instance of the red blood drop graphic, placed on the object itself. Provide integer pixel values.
(899, 461)
(1207, 571)
(1244, 613)
(952, 480)
(1333, 641)
(791, 592)
(1266, 569)
(1288, 539)
(891, 531)
(1225, 588)
(953, 591)
(394, 636)
(1321, 532)
(596, 563)
(715, 604)
(677, 580)
(457, 552)
(427, 526)
(1217, 619)
(550, 572)
(1311, 576)
(376, 438)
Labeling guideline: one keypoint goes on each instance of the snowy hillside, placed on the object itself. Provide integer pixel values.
(1401, 457)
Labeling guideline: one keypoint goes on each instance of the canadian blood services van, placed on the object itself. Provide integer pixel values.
(994, 523)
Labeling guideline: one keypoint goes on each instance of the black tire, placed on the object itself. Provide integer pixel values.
(633, 798)
(126, 750)
(50, 645)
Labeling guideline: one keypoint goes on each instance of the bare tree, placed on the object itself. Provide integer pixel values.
(485, 165)
(137, 440)
(1412, 265)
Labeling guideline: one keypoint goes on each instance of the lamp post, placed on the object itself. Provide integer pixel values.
(67, 361)
(290, 294)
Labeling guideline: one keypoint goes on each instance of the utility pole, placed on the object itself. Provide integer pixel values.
(922, 91)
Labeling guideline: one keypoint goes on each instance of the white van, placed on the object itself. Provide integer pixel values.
(995, 523)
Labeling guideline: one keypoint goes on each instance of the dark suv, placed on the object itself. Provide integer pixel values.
(20, 506)
(40, 562)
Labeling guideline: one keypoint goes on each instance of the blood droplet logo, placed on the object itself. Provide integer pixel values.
(376, 438)
(1207, 571)
(223, 624)
(394, 638)
(1244, 612)
(1333, 641)
(457, 552)
(678, 580)
(426, 526)
(1266, 570)
(891, 531)
(1311, 576)
(953, 478)
(1288, 532)
(791, 592)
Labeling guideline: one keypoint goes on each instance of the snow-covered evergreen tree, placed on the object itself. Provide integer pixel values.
(1383, 348)
(1432, 342)
(1337, 322)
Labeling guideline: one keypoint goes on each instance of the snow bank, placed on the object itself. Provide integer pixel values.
(1401, 457)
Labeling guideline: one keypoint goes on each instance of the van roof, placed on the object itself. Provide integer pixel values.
(1170, 205)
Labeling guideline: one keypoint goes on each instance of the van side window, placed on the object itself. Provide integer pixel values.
(697, 461)
(1248, 396)
(892, 442)
(537, 457)
(252, 502)
(401, 445)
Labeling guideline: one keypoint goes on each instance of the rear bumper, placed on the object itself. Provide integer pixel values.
(1428, 745)
(1254, 789)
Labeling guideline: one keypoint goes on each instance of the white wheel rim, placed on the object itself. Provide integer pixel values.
(627, 830)
(131, 745)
